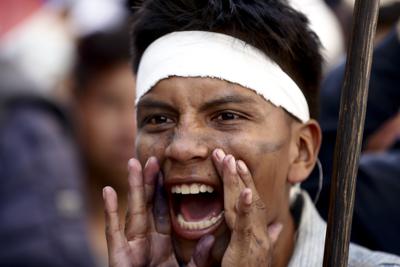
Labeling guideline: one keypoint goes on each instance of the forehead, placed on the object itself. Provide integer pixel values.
(200, 90)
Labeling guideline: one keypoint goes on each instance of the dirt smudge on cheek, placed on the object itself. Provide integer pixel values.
(151, 145)
(262, 157)
(251, 147)
(264, 147)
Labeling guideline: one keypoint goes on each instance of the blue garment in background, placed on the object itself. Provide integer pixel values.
(41, 213)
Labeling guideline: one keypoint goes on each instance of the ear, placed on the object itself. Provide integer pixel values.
(306, 141)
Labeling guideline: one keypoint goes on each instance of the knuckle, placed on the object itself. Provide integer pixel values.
(135, 215)
(111, 232)
(244, 230)
(258, 203)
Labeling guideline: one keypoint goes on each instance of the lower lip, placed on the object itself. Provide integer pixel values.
(194, 234)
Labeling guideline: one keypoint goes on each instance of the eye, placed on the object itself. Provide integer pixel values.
(157, 119)
(224, 116)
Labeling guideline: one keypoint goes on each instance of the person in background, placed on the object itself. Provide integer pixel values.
(41, 206)
(376, 216)
(43, 209)
(104, 115)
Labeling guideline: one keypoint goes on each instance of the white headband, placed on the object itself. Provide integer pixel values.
(216, 55)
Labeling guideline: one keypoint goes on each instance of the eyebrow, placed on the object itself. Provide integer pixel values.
(149, 103)
(236, 99)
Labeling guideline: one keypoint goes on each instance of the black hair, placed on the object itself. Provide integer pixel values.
(272, 26)
(98, 52)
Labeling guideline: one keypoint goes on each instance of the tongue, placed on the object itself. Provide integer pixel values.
(200, 207)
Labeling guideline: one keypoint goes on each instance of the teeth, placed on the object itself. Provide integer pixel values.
(200, 225)
(186, 189)
(203, 188)
(194, 189)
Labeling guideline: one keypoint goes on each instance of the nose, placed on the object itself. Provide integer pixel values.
(187, 144)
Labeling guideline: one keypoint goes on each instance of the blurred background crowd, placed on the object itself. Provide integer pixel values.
(67, 125)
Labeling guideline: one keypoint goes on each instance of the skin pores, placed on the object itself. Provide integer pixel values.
(182, 120)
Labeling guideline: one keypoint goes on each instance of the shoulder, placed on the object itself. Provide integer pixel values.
(360, 256)
(309, 249)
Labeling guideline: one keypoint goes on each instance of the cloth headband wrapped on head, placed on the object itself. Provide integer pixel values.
(216, 55)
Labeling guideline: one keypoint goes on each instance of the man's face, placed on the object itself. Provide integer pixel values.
(106, 117)
(182, 120)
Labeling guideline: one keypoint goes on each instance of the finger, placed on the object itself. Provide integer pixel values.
(136, 216)
(247, 179)
(218, 156)
(202, 252)
(160, 209)
(244, 173)
(150, 174)
(242, 232)
(114, 236)
(232, 187)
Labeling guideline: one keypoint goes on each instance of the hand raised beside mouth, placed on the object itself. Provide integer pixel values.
(146, 238)
(251, 240)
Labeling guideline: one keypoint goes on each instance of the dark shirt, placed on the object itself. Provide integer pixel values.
(41, 212)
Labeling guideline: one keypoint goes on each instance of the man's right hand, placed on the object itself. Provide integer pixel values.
(145, 240)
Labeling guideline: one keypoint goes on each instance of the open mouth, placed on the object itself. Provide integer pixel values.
(197, 209)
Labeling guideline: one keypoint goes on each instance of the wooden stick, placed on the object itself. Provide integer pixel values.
(350, 131)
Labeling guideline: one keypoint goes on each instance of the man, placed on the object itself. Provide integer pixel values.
(224, 96)
(104, 114)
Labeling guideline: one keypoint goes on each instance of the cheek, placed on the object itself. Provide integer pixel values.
(268, 164)
(151, 145)
(94, 132)
(257, 153)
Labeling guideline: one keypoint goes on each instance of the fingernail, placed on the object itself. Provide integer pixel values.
(274, 231)
(241, 166)
(130, 163)
(104, 192)
(219, 154)
(148, 161)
